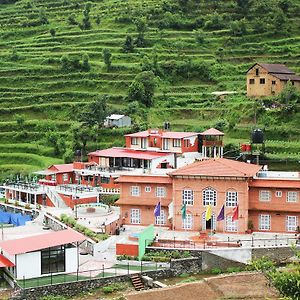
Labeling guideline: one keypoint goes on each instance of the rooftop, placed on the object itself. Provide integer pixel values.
(115, 117)
(275, 68)
(128, 153)
(41, 241)
(219, 167)
(212, 131)
(163, 134)
(143, 178)
(63, 168)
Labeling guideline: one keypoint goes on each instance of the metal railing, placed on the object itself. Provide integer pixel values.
(231, 242)
(104, 272)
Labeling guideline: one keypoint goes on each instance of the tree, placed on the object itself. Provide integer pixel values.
(42, 17)
(85, 63)
(72, 20)
(20, 119)
(128, 44)
(86, 23)
(141, 27)
(98, 20)
(96, 113)
(243, 6)
(107, 58)
(238, 28)
(142, 88)
(52, 32)
(14, 55)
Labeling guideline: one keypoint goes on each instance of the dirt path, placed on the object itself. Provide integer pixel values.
(238, 286)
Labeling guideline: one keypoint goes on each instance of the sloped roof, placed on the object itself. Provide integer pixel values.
(63, 168)
(5, 262)
(115, 117)
(273, 183)
(129, 153)
(41, 241)
(177, 135)
(219, 167)
(287, 77)
(274, 68)
(212, 131)
(144, 179)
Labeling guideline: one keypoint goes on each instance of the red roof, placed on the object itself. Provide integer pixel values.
(212, 131)
(41, 241)
(129, 153)
(219, 167)
(163, 134)
(144, 179)
(64, 168)
(276, 183)
(4, 262)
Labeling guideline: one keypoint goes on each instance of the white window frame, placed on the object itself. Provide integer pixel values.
(53, 177)
(135, 216)
(231, 198)
(187, 223)
(278, 194)
(291, 226)
(166, 143)
(209, 197)
(176, 143)
(65, 177)
(231, 226)
(188, 197)
(134, 141)
(160, 192)
(213, 218)
(162, 219)
(264, 222)
(264, 196)
(147, 189)
(292, 196)
(135, 191)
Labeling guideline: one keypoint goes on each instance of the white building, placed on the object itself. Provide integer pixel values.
(41, 255)
(117, 121)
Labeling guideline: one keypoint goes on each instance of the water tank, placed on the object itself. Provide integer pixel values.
(257, 136)
(78, 152)
(167, 126)
(243, 147)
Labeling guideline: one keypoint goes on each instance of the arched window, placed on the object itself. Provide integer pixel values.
(209, 196)
(231, 198)
(188, 196)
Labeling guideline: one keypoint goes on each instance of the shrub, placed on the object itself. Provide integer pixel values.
(114, 287)
(233, 270)
(261, 264)
(216, 271)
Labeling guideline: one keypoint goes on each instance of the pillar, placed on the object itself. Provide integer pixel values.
(221, 151)
(34, 199)
(27, 197)
(215, 152)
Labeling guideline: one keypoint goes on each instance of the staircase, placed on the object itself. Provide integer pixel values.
(137, 282)
(55, 198)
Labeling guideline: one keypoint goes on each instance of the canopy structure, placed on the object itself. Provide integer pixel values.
(4, 262)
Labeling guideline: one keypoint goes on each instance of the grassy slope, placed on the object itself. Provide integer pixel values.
(35, 85)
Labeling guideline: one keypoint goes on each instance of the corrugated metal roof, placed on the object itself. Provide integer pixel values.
(286, 77)
(63, 168)
(41, 241)
(219, 167)
(128, 153)
(276, 68)
(4, 262)
(115, 117)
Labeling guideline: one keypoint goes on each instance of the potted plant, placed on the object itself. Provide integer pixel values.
(250, 227)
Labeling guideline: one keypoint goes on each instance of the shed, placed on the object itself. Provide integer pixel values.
(115, 120)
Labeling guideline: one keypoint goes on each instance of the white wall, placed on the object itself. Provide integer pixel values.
(28, 265)
(71, 260)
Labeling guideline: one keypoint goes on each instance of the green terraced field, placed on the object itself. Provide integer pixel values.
(48, 98)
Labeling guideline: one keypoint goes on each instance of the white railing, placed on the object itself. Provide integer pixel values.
(55, 198)
(109, 191)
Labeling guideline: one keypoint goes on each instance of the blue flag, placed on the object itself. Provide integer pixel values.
(221, 215)
(157, 210)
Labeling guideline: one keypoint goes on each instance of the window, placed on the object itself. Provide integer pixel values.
(160, 192)
(293, 83)
(65, 177)
(256, 72)
(148, 189)
(187, 223)
(209, 197)
(134, 141)
(176, 142)
(165, 144)
(186, 143)
(278, 194)
(231, 226)
(53, 260)
(188, 197)
(252, 81)
(292, 197)
(161, 220)
(273, 82)
(53, 177)
(262, 81)
(135, 191)
(291, 223)
(144, 143)
(135, 216)
(264, 196)
(231, 199)
(104, 179)
(211, 224)
(264, 222)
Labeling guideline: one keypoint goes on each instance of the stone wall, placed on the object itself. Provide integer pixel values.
(213, 261)
(186, 265)
(74, 288)
(277, 254)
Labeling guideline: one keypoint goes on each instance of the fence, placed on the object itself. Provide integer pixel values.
(231, 242)
(116, 270)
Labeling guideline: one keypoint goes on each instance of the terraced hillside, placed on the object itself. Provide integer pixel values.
(52, 68)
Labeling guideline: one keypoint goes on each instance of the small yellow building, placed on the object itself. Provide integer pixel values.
(269, 79)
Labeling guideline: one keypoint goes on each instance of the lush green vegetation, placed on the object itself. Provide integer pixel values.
(155, 60)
